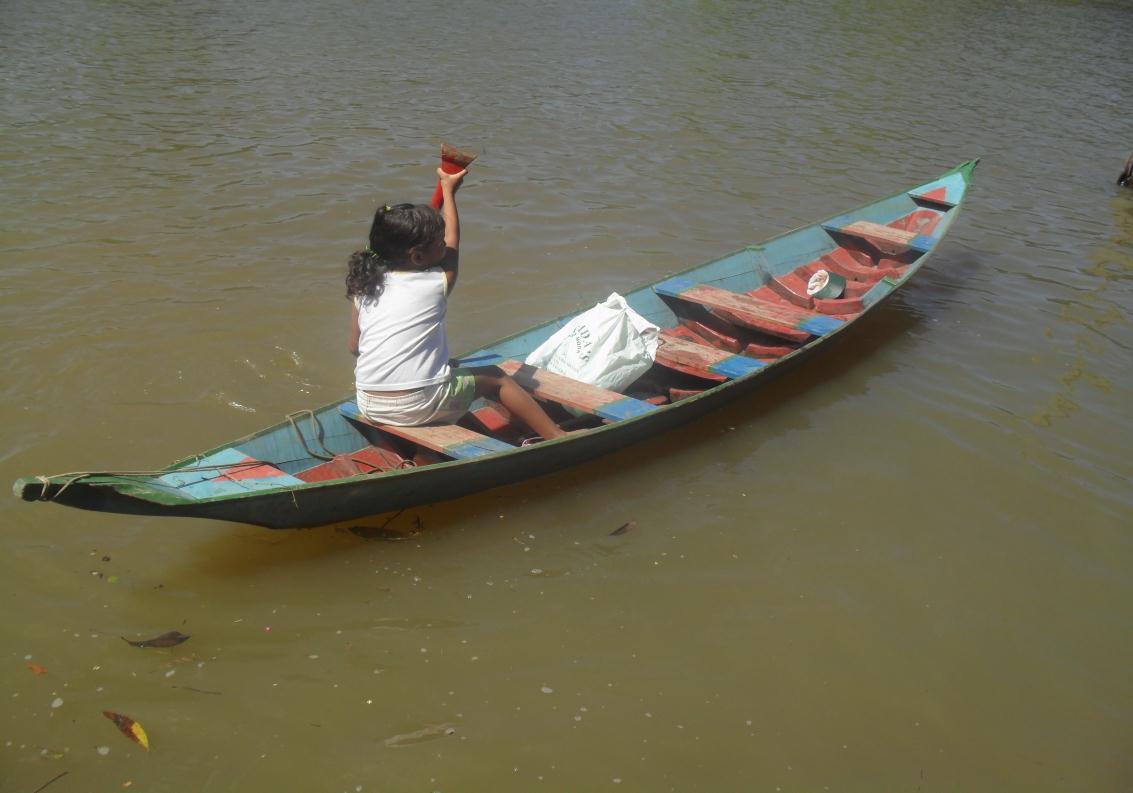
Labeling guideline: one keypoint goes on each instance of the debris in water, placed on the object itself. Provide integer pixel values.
(427, 733)
(198, 690)
(623, 528)
(55, 778)
(130, 728)
(170, 639)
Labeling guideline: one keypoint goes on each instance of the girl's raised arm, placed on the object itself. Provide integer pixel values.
(450, 182)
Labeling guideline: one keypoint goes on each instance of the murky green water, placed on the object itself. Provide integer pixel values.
(903, 567)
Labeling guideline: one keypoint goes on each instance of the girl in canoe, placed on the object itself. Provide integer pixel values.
(399, 286)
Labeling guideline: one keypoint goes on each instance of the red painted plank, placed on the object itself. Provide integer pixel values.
(686, 356)
(677, 394)
(767, 352)
(792, 288)
(922, 221)
(715, 332)
(841, 262)
(937, 197)
(778, 320)
(768, 295)
(840, 306)
(687, 330)
(857, 288)
(492, 416)
(363, 461)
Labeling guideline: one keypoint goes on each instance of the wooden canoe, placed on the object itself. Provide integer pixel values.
(727, 325)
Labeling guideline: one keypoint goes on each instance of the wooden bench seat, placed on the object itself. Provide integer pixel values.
(784, 321)
(574, 393)
(448, 439)
(885, 238)
(708, 362)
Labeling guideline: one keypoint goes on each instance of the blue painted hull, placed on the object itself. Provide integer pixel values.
(276, 496)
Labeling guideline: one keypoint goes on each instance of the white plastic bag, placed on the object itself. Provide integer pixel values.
(610, 345)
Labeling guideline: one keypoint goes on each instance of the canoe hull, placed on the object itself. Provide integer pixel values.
(198, 487)
(349, 499)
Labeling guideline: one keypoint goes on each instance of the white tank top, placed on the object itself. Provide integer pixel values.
(402, 342)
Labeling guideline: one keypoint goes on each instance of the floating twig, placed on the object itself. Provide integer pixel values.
(56, 778)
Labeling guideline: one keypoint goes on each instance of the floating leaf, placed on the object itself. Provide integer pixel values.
(37, 669)
(130, 728)
(171, 639)
(426, 733)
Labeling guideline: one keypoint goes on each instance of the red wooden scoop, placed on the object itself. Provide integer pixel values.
(453, 160)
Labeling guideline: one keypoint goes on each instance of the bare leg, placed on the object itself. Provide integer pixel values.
(492, 382)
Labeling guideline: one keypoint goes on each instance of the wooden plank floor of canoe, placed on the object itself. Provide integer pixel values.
(777, 319)
(685, 355)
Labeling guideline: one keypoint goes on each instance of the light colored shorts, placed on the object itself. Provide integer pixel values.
(435, 404)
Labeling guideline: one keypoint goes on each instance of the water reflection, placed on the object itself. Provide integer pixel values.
(1100, 319)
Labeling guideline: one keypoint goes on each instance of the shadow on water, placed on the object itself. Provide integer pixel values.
(228, 553)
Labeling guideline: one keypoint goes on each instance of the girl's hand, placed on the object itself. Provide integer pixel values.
(451, 181)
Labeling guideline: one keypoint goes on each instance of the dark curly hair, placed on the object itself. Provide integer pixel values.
(396, 231)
